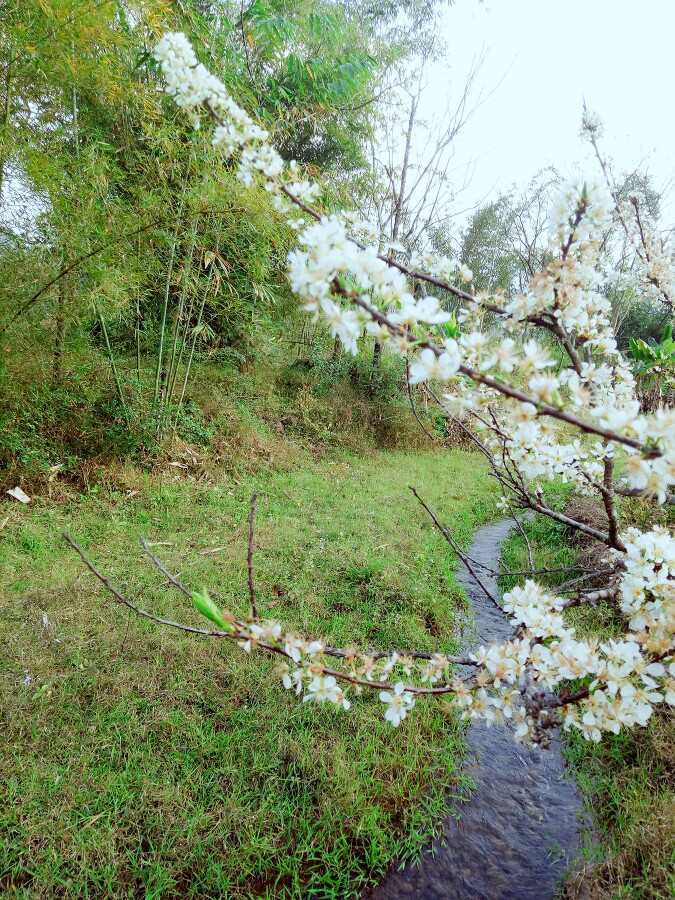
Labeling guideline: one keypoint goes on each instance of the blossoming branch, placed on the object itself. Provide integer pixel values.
(507, 393)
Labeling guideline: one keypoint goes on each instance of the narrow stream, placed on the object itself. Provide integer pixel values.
(520, 829)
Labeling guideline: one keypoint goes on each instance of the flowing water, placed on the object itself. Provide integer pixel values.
(519, 831)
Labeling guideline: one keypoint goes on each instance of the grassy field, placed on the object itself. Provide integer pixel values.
(628, 779)
(139, 762)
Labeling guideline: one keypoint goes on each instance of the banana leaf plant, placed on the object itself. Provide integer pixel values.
(654, 367)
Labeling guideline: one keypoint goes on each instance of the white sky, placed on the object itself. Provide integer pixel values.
(544, 58)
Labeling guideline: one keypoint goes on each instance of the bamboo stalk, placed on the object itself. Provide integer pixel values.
(138, 320)
(167, 288)
(181, 350)
(5, 118)
(175, 357)
(195, 335)
(116, 376)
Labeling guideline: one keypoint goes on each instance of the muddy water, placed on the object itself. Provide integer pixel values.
(520, 829)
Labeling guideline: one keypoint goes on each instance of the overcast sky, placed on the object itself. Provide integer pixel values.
(544, 57)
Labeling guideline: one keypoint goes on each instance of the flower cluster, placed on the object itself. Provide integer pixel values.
(653, 253)
(647, 588)
(327, 256)
(514, 681)
(516, 390)
(655, 477)
(191, 85)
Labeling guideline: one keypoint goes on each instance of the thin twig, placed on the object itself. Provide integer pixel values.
(541, 571)
(160, 565)
(444, 531)
(527, 540)
(137, 609)
(251, 533)
(594, 573)
(412, 402)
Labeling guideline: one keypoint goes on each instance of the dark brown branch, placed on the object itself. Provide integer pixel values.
(516, 482)
(240, 633)
(610, 506)
(558, 700)
(639, 492)
(605, 489)
(543, 409)
(572, 523)
(339, 653)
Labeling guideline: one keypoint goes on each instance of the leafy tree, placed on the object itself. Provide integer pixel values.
(486, 248)
(139, 245)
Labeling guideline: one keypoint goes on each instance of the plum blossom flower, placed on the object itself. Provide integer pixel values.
(544, 387)
(669, 686)
(325, 688)
(440, 368)
(426, 309)
(534, 357)
(399, 703)
(292, 679)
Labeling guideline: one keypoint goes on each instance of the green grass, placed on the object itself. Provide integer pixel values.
(140, 762)
(628, 779)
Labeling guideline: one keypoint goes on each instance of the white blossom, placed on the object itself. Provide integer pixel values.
(399, 703)
(440, 368)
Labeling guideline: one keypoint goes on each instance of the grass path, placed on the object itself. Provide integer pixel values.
(139, 762)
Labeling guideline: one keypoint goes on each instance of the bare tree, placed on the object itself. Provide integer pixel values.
(409, 191)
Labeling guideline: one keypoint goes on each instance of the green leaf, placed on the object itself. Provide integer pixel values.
(208, 608)
(450, 329)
